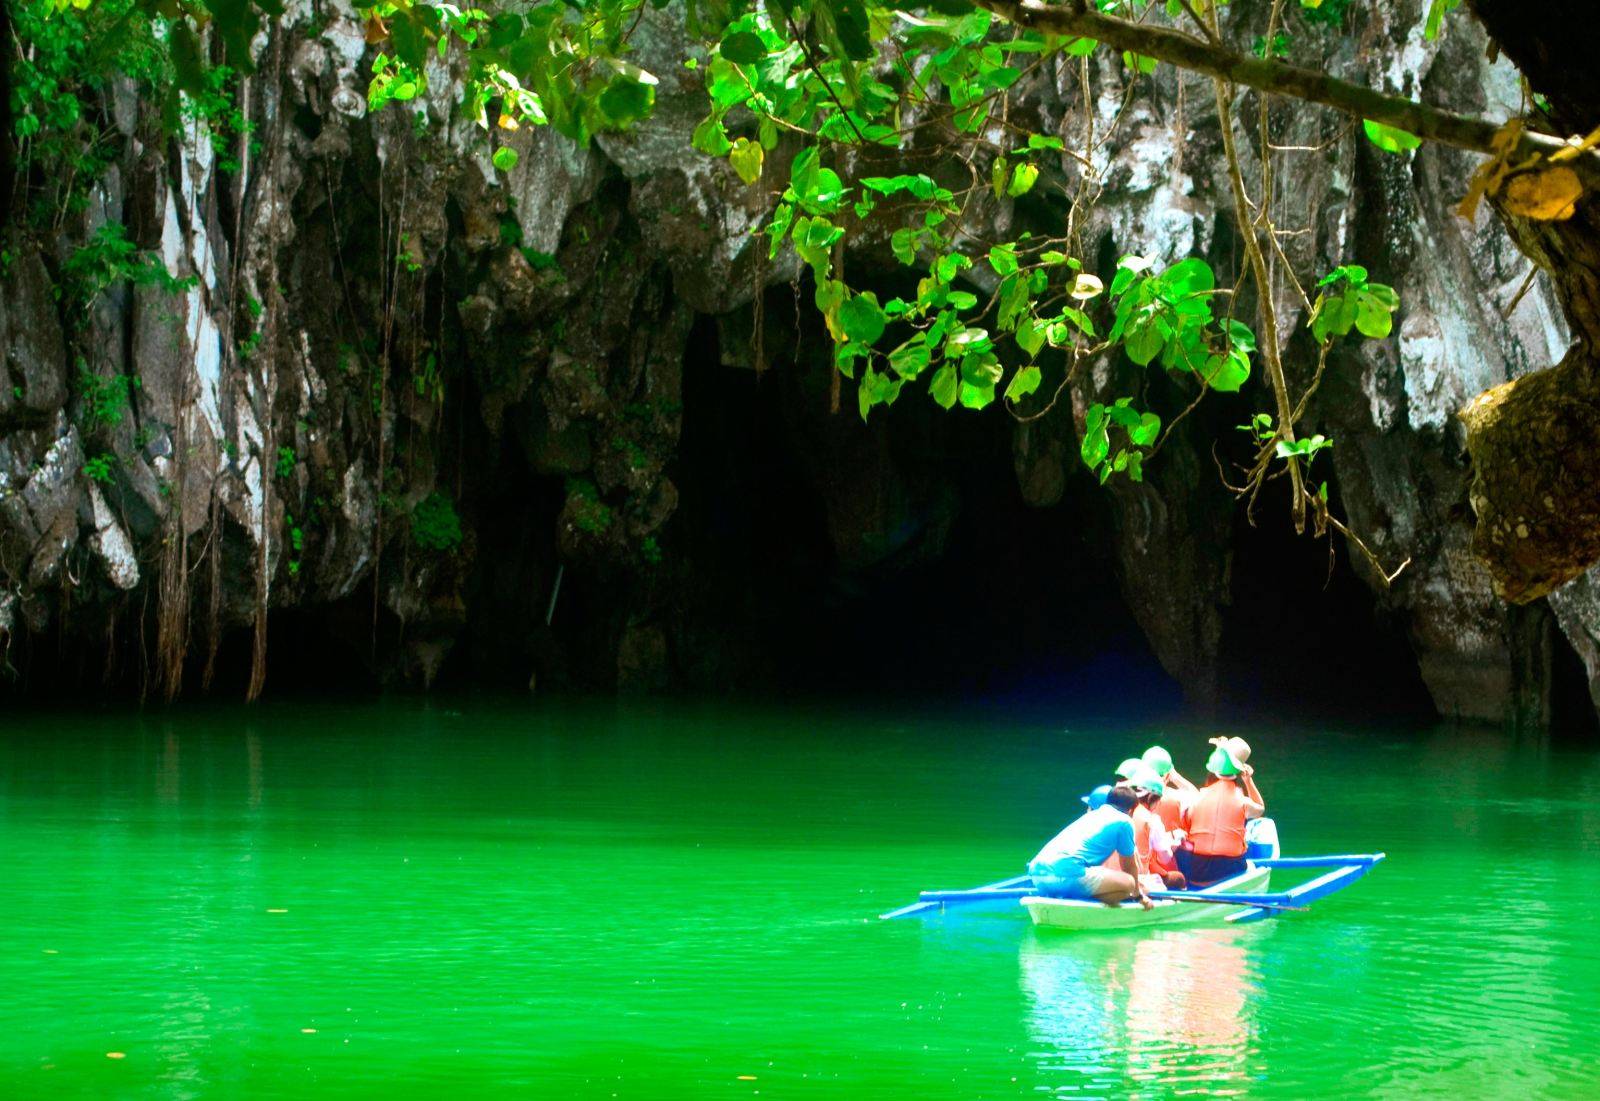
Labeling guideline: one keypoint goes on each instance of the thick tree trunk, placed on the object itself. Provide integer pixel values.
(1535, 442)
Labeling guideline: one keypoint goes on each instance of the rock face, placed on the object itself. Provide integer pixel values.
(439, 405)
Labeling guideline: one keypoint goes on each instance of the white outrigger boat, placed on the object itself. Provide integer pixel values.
(1243, 898)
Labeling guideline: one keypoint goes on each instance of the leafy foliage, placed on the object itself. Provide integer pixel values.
(1349, 301)
(110, 258)
(805, 101)
(103, 401)
(435, 525)
(101, 468)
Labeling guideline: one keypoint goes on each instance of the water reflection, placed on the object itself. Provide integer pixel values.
(1168, 1010)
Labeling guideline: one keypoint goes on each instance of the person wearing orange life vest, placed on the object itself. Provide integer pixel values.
(1153, 844)
(1151, 840)
(1214, 845)
(1177, 792)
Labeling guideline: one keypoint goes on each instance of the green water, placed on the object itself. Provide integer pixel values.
(505, 899)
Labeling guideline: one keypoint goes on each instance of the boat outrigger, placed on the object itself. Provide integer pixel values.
(1243, 898)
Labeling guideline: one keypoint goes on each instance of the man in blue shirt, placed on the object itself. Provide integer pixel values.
(1072, 863)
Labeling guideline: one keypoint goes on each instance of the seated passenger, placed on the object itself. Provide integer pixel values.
(1214, 845)
(1069, 865)
(1179, 793)
(1153, 844)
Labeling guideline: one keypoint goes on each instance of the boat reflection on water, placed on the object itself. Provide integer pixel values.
(1173, 1012)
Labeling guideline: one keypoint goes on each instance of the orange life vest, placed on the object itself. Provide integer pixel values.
(1170, 809)
(1216, 821)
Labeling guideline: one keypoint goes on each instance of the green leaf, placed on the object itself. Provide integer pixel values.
(1191, 276)
(744, 48)
(911, 358)
(1096, 442)
(1022, 180)
(1014, 302)
(746, 157)
(505, 158)
(1226, 372)
(1031, 335)
(1023, 383)
(903, 243)
(1239, 335)
(848, 21)
(710, 137)
(1139, 63)
(1384, 295)
(950, 265)
(803, 172)
(1003, 259)
(1437, 10)
(1390, 139)
(861, 319)
(1142, 343)
(1372, 320)
(1129, 268)
(627, 99)
(944, 385)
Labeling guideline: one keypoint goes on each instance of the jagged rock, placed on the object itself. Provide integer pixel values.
(1577, 609)
(421, 305)
(33, 363)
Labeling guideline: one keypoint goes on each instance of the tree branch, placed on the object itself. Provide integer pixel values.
(1076, 19)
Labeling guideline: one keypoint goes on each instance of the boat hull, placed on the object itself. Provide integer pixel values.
(1065, 913)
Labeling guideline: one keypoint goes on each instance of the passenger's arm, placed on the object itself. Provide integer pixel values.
(1254, 805)
(1179, 781)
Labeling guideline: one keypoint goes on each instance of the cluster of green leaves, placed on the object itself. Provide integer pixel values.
(1168, 316)
(103, 401)
(101, 468)
(297, 536)
(110, 258)
(988, 318)
(66, 57)
(1140, 430)
(1347, 300)
(556, 64)
(286, 461)
(215, 103)
(435, 524)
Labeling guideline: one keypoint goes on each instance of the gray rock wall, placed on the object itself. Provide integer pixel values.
(427, 324)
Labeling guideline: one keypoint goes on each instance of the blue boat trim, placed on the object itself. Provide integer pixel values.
(1318, 861)
(1345, 869)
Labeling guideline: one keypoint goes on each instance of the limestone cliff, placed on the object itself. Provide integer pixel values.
(403, 395)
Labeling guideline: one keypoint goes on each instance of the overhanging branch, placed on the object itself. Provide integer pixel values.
(1076, 19)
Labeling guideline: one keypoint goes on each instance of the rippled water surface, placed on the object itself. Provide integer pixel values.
(509, 899)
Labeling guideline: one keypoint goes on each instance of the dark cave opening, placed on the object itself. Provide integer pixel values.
(1305, 634)
(892, 557)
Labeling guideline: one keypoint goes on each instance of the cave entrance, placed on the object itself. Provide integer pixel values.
(894, 558)
(1304, 634)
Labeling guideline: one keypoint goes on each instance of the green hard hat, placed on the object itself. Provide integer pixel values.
(1148, 779)
(1130, 768)
(1159, 759)
(1221, 763)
